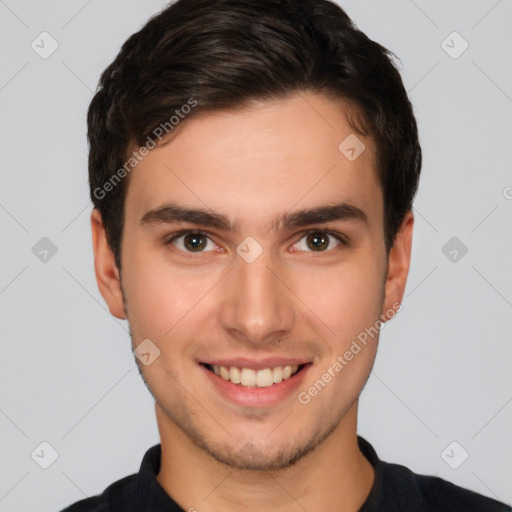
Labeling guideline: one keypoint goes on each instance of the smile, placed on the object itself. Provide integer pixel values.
(260, 384)
(247, 377)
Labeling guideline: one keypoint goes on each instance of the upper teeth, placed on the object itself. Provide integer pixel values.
(251, 378)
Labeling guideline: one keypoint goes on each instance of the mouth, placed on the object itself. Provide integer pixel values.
(255, 378)
(256, 384)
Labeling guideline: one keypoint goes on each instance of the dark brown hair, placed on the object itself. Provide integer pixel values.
(208, 55)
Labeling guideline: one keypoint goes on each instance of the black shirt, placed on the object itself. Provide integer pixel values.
(395, 489)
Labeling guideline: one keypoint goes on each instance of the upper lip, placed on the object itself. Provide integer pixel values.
(269, 362)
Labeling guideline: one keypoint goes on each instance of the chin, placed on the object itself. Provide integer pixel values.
(267, 455)
(250, 458)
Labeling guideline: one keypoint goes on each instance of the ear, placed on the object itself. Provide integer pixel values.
(398, 267)
(107, 273)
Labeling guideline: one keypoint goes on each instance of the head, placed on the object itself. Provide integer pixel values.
(282, 139)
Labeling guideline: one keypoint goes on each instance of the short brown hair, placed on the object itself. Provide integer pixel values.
(221, 54)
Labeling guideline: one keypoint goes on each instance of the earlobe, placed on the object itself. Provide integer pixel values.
(107, 273)
(398, 268)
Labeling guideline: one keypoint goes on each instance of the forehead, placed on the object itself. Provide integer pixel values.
(254, 163)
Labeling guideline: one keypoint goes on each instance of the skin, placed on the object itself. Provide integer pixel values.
(254, 166)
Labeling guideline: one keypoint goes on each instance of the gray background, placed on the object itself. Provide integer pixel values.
(443, 369)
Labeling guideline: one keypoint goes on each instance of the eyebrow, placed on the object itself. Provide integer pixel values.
(173, 213)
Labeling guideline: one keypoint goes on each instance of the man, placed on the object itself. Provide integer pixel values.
(253, 167)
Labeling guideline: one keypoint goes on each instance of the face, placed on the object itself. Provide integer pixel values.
(253, 257)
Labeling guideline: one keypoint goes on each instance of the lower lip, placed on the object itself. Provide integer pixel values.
(257, 397)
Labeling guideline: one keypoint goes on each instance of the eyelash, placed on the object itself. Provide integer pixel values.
(184, 232)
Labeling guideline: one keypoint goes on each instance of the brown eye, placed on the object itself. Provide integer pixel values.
(317, 241)
(192, 242)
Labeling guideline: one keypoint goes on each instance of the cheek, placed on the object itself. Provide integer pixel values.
(346, 298)
(162, 299)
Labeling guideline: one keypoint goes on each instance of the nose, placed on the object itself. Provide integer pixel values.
(256, 306)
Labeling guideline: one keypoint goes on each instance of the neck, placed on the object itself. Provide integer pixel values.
(333, 476)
